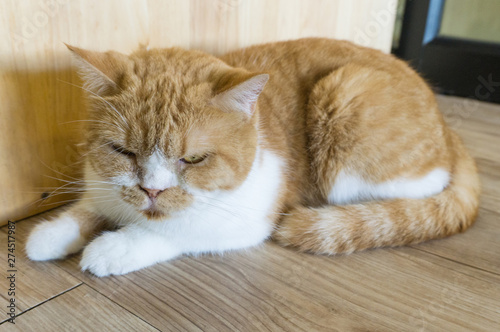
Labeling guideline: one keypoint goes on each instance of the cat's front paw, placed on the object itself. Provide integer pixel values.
(54, 239)
(110, 254)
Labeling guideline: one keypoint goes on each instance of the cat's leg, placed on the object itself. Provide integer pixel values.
(64, 235)
(128, 249)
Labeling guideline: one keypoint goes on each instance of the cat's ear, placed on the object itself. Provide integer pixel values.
(241, 97)
(102, 72)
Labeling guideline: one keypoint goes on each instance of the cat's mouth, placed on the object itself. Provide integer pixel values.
(153, 213)
(170, 200)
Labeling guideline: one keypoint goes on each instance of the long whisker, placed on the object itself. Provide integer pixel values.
(62, 193)
(90, 151)
(100, 98)
(114, 150)
(56, 171)
(240, 217)
(80, 181)
(61, 187)
(99, 121)
(75, 200)
(72, 182)
(237, 205)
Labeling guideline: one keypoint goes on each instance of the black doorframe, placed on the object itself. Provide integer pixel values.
(453, 66)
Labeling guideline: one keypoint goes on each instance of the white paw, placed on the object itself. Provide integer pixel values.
(54, 239)
(111, 253)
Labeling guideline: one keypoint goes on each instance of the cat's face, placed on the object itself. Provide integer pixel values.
(167, 125)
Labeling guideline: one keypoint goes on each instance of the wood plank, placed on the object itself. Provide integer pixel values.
(470, 111)
(480, 130)
(490, 180)
(34, 282)
(80, 309)
(478, 246)
(272, 288)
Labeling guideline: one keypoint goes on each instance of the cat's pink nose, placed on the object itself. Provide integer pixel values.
(153, 193)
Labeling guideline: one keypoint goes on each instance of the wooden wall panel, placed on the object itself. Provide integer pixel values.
(38, 135)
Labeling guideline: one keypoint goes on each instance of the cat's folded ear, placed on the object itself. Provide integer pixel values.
(241, 95)
(102, 72)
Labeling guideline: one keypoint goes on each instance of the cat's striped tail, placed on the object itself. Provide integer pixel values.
(345, 229)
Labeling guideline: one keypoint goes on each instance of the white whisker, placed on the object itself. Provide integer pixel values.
(98, 121)
(100, 98)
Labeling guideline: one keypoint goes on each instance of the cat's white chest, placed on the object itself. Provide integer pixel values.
(218, 220)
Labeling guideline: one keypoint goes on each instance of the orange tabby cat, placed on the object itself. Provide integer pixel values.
(327, 146)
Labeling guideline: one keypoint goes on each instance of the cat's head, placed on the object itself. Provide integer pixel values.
(166, 124)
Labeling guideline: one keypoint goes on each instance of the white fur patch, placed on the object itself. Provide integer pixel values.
(128, 249)
(234, 219)
(156, 173)
(54, 239)
(216, 221)
(350, 188)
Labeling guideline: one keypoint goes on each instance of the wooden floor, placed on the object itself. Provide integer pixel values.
(446, 285)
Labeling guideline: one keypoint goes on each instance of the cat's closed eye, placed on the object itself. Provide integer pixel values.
(194, 159)
(118, 149)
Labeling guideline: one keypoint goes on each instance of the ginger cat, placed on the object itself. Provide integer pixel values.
(326, 146)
